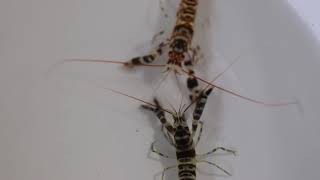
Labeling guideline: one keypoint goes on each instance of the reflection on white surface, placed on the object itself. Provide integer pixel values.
(309, 12)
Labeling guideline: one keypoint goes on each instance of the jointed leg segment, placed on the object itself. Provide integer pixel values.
(147, 59)
(199, 107)
(168, 136)
(219, 148)
(165, 169)
(200, 133)
(217, 166)
(160, 114)
(154, 150)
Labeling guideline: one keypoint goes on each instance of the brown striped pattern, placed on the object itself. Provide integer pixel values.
(182, 34)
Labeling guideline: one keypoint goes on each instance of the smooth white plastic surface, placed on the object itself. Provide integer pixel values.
(58, 123)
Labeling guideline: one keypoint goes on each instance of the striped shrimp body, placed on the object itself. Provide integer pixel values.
(185, 149)
(182, 35)
(181, 54)
(181, 137)
(180, 40)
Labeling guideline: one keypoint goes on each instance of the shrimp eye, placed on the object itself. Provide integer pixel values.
(180, 45)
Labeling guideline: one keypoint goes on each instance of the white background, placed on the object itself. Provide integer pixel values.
(55, 123)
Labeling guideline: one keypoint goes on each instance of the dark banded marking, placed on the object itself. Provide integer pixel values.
(190, 166)
(179, 45)
(190, 2)
(186, 160)
(160, 114)
(183, 143)
(183, 137)
(159, 51)
(148, 59)
(184, 29)
(182, 131)
(197, 113)
(186, 17)
(208, 92)
(188, 63)
(189, 10)
(194, 126)
(186, 154)
(170, 128)
(180, 136)
(192, 84)
(199, 109)
(185, 32)
(136, 61)
(187, 173)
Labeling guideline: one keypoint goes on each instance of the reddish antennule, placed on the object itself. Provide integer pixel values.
(241, 96)
(125, 63)
(135, 98)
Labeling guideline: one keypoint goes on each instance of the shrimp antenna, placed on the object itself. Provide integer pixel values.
(236, 94)
(191, 103)
(221, 73)
(175, 111)
(214, 79)
(111, 62)
(124, 63)
(181, 106)
(241, 96)
(163, 78)
(137, 99)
